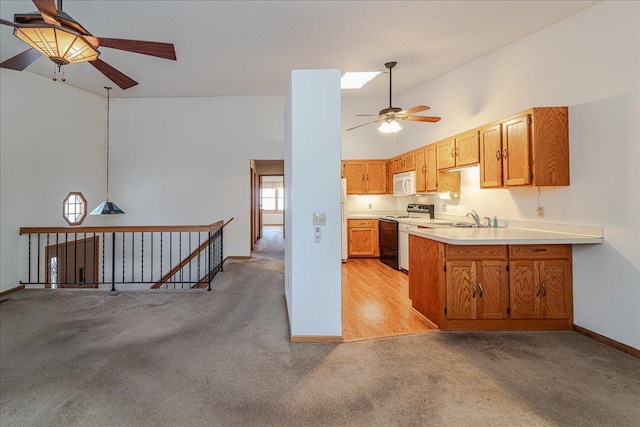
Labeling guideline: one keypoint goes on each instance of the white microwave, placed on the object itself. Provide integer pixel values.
(404, 184)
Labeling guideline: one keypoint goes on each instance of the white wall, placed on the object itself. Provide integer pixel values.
(51, 143)
(186, 160)
(312, 155)
(589, 62)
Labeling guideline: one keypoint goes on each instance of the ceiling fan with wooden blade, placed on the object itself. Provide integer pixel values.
(56, 35)
(390, 115)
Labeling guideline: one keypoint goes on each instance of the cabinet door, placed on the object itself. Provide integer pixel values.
(363, 242)
(461, 289)
(555, 284)
(398, 164)
(354, 172)
(524, 289)
(516, 147)
(390, 171)
(409, 162)
(375, 177)
(446, 154)
(421, 171)
(467, 149)
(493, 289)
(431, 170)
(491, 157)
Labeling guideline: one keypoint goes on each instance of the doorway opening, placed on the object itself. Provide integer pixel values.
(267, 202)
(72, 264)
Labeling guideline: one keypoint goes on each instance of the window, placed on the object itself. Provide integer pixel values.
(271, 193)
(74, 208)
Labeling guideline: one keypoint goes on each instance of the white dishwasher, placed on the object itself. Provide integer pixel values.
(413, 211)
(403, 244)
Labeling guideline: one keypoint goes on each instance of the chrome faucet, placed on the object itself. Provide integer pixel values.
(475, 217)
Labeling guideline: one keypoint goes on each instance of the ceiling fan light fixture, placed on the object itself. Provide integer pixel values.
(60, 45)
(390, 126)
(357, 79)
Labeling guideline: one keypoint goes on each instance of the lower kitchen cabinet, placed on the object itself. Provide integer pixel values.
(491, 287)
(477, 289)
(540, 282)
(363, 238)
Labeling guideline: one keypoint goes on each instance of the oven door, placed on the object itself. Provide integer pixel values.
(388, 235)
(388, 232)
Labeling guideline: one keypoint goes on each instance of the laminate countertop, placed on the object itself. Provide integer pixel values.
(503, 236)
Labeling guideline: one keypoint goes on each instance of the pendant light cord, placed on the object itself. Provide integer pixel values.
(108, 104)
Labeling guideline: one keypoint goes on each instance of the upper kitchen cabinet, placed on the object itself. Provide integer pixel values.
(530, 148)
(389, 173)
(365, 176)
(428, 178)
(404, 162)
(461, 150)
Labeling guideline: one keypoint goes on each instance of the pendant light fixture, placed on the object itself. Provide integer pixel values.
(107, 207)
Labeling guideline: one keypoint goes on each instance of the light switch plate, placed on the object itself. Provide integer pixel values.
(319, 218)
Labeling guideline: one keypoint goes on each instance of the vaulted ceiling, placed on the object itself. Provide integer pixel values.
(248, 48)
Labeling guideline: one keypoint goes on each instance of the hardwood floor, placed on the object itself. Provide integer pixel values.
(375, 302)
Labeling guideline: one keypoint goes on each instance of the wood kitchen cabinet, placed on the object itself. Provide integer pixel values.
(404, 163)
(363, 238)
(540, 282)
(461, 150)
(476, 283)
(365, 176)
(428, 177)
(529, 148)
(389, 171)
(491, 287)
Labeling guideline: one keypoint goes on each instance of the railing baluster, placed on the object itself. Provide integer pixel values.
(142, 256)
(133, 239)
(151, 274)
(123, 239)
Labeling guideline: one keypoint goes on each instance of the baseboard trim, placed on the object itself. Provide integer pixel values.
(316, 338)
(608, 341)
(236, 257)
(12, 290)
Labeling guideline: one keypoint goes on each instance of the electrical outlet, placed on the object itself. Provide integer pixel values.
(444, 207)
(540, 211)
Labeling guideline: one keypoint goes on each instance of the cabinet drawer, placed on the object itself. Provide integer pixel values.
(539, 251)
(362, 223)
(475, 252)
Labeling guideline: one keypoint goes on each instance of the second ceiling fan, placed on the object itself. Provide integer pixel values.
(390, 115)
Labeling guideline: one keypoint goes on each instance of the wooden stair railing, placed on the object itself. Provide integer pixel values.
(175, 270)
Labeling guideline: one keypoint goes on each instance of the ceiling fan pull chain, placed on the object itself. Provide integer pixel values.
(55, 77)
(64, 78)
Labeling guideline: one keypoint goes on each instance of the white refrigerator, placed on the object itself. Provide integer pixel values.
(343, 210)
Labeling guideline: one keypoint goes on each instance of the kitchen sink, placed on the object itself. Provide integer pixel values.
(467, 225)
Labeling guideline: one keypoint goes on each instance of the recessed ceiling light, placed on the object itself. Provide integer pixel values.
(357, 79)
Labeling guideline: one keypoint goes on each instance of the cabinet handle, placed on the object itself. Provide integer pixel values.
(457, 151)
(473, 287)
(537, 290)
(544, 290)
(538, 250)
(452, 152)
(504, 152)
(363, 177)
(367, 177)
(481, 289)
(498, 154)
